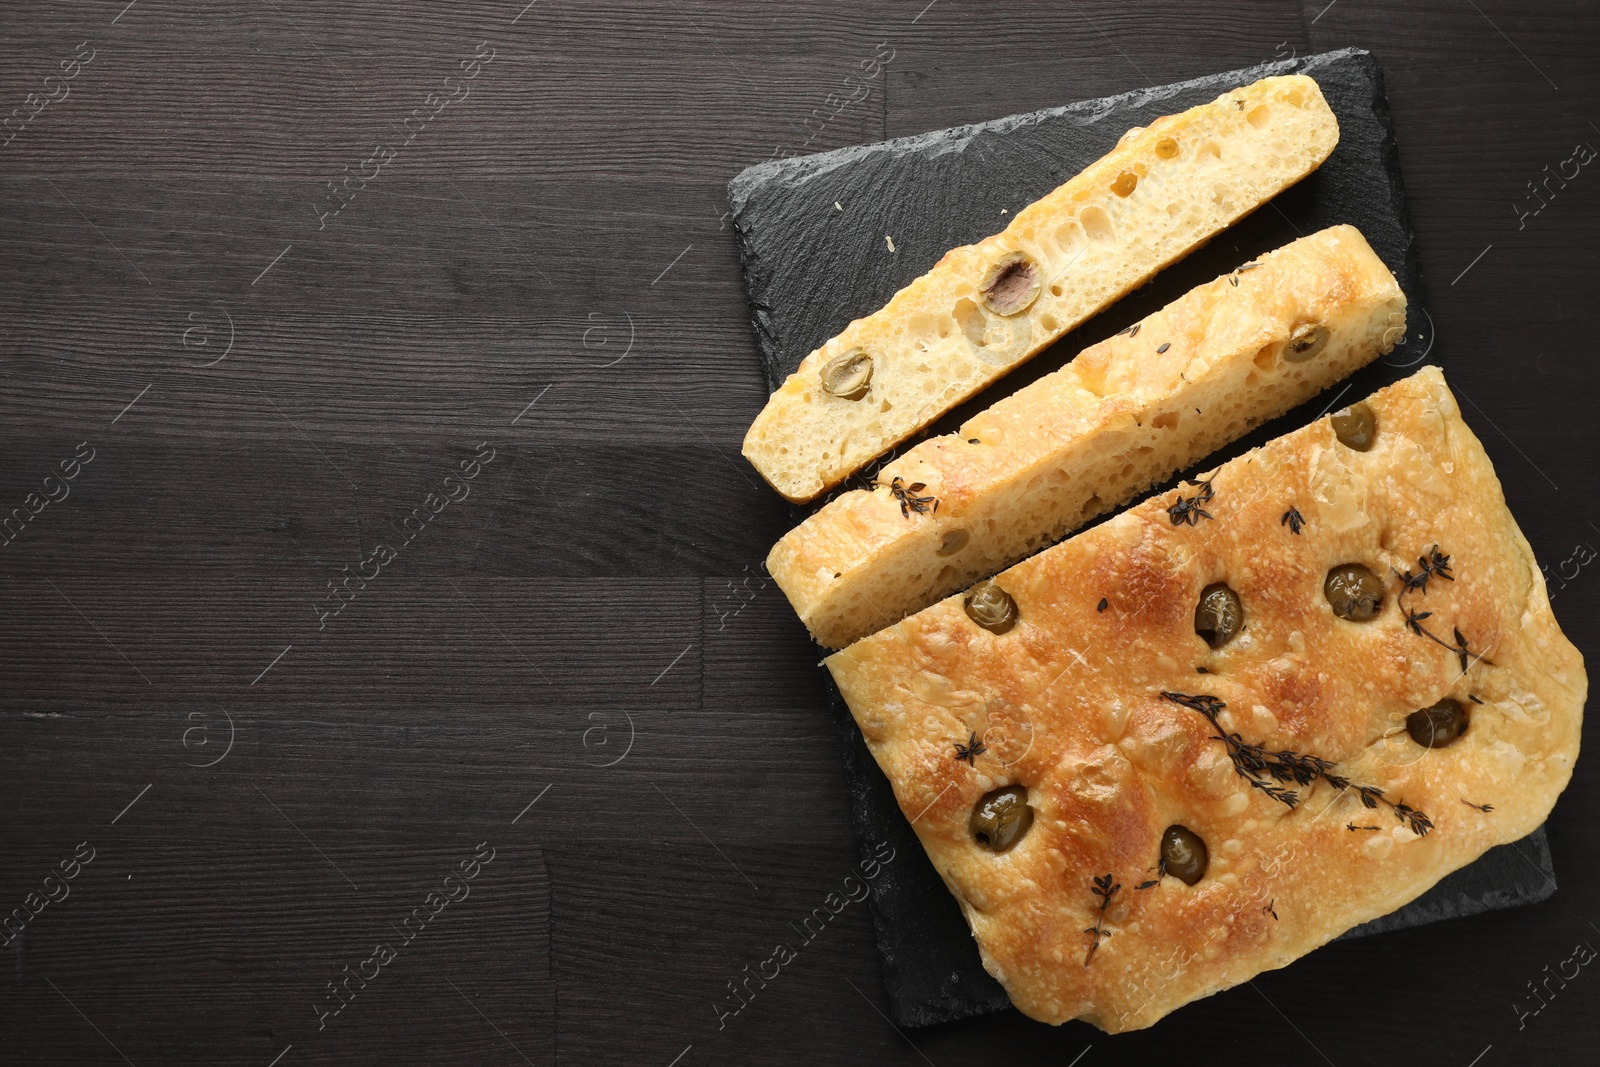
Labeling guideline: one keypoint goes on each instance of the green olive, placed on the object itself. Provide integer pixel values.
(1356, 426)
(991, 607)
(1354, 591)
(1306, 342)
(1011, 284)
(1001, 818)
(1219, 615)
(848, 376)
(954, 541)
(1438, 726)
(1183, 854)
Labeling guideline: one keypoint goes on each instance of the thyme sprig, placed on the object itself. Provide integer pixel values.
(1485, 808)
(1272, 772)
(1434, 565)
(1192, 509)
(909, 500)
(1292, 519)
(1104, 888)
(971, 750)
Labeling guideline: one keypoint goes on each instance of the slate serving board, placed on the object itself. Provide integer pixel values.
(814, 236)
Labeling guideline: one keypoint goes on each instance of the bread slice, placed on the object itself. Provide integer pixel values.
(1123, 723)
(1125, 414)
(1161, 193)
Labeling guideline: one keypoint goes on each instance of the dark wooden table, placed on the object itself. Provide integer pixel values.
(553, 767)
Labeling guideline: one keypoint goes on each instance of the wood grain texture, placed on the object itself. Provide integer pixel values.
(614, 542)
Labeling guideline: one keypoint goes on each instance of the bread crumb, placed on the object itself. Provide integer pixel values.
(889, 241)
(836, 206)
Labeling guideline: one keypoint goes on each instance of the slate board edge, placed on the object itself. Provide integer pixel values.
(1430, 907)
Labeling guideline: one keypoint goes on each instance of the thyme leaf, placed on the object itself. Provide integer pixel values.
(971, 750)
(1192, 509)
(1434, 565)
(909, 500)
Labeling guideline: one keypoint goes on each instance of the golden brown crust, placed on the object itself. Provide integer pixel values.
(1070, 705)
(1122, 416)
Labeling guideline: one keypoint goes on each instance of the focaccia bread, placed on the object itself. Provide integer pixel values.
(1215, 790)
(1124, 415)
(985, 308)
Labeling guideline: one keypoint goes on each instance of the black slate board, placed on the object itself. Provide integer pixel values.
(812, 241)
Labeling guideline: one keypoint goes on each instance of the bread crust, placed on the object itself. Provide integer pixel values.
(1161, 193)
(1069, 704)
(1125, 414)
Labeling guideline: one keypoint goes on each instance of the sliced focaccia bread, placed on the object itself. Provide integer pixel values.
(1127, 413)
(985, 308)
(1212, 734)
